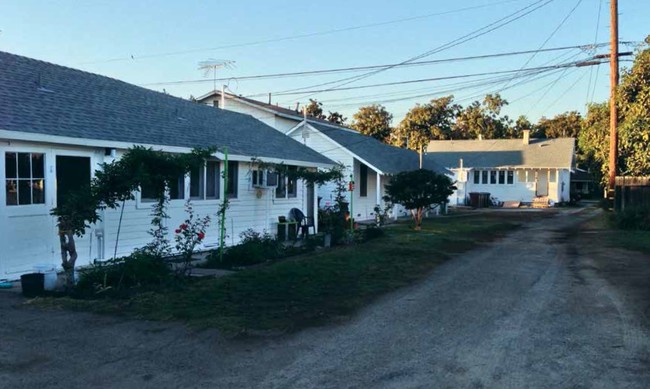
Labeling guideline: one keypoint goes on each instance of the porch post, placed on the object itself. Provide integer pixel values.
(378, 189)
(315, 205)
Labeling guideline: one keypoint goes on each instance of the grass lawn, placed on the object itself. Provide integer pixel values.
(313, 288)
(615, 237)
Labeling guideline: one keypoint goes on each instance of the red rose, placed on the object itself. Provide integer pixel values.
(183, 226)
(201, 236)
(178, 231)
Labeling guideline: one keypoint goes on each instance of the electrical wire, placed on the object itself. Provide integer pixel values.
(458, 41)
(369, 67)
(589, 92)
(133, 57)
(566, 17)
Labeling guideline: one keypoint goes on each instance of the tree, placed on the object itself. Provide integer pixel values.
(564, 125)
(633, 100)
(373, 120)
(431, 121)
(522, 124)
(484, 119)
(593, 140)
(418, 190)
(336, 118)
(315, 109)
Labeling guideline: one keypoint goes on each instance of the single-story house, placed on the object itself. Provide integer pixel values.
(518, 170)
(370, 162)
(57, 125)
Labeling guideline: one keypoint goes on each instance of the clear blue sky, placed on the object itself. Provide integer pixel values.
(86, 34)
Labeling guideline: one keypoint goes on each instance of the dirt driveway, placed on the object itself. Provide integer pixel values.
(546, 307)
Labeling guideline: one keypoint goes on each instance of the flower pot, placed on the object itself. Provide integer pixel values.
(32, 284)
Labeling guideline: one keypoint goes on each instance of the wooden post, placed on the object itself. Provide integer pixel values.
(613, 111)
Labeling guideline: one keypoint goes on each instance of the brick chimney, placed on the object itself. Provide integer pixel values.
(526, 136)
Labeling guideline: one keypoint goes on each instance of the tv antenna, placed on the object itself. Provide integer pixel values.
(211, 65)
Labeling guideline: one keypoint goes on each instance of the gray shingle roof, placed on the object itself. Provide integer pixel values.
(40, 97)
(503, 153)
(388, 159)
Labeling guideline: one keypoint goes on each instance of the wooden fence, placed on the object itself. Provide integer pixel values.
(632, 192)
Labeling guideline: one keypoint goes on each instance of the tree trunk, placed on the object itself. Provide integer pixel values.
(417, 218)
(68, 256)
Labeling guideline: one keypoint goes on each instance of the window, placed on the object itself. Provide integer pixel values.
(477, 177)
(281, 189)
(502, 177)
(493, 177)
(531, 176)
(510, 178)
(292, 183)
(204, 181)
(25, 178)
(484, 177)
(521, 175)
(175, 190)
(287, 186)
(552, 176)
(233, 175)
(363, 180)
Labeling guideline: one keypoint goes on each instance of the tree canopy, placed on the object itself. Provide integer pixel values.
(375, 121)
(423, 123)
(418, 190)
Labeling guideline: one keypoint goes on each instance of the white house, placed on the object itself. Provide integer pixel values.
(370, 162)
(57, 125)
(518, 170)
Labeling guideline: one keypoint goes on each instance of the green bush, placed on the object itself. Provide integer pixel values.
(254, 248)
(636, 218)
(372, 232)
(116, 276)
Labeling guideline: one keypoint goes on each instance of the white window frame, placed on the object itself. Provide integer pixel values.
(18, 179)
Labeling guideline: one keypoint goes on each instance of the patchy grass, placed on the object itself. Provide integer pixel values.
(636, 240)
(313, 288)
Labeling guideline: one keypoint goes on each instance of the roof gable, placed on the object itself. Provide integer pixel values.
(43, 98)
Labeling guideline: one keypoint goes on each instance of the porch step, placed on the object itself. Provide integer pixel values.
(541, 202)
(511, 204)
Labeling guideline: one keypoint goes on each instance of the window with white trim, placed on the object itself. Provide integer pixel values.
(204, 181)
(363, 180)
(24, 178)
(233, 176)
(477, 177)
(287, 185)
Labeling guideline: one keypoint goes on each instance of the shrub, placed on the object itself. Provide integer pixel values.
(254, 248)
(634, 218)
(116, 276)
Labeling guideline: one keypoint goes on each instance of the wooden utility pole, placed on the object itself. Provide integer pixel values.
(613, 111)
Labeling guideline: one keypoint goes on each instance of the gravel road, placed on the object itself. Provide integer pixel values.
(542, 308)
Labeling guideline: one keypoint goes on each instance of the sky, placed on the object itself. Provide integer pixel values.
(153, 43)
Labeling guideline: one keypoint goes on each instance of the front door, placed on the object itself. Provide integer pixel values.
(542, 183)
(72, 175)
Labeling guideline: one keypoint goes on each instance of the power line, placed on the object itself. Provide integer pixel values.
(600, 7)
(565, 91)
(465, 38)
(426, 79)
(552, 34)
(371, 67)
(292, 37)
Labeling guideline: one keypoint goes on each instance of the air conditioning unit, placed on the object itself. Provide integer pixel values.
(264, 179)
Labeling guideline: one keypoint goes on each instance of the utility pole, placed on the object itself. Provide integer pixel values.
(613, 111)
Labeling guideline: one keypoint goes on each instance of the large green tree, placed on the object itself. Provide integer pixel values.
(423, 123)
(419, 190)
(564, 125)
(315, 109)
(633, 101)
(336, 118)
(375, 121)
(484, 118)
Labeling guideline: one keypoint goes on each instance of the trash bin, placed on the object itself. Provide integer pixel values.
(32, 284)
(479, 199)
(473, 199)
(49, 275)
(483, 200)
